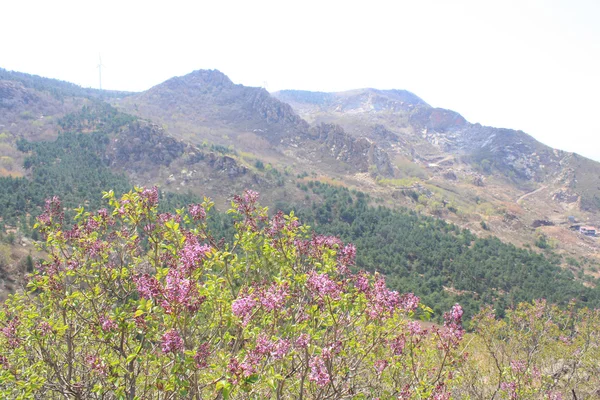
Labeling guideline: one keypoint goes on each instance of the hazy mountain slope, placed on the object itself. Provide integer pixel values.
(207, 106)
(404, 124)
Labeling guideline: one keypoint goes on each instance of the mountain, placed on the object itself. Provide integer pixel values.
(207, 106)
(202, 134)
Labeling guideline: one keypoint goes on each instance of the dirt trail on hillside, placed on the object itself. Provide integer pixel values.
(530, 193)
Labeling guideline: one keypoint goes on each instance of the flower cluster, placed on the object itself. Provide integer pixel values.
(318, 371)
(96, 365)
(10, 332)
(201, 356)
(107, 324)
(197, 212)
(322, 285)
(171, 342)
(243, 307)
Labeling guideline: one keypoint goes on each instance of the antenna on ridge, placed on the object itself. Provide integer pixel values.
(100, 71)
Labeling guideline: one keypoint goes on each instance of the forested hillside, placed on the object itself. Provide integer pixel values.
(439, 261)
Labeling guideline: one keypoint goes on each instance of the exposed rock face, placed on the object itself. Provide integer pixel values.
(565, 196)
(436, 119)
(13, 94)
(143, 143)
(209, 98)
(360, 153)
(226, 164)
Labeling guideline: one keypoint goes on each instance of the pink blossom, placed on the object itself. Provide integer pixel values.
(414, 328)
(107, 324)
(147, 286)
(510, 388)
(361, 282)
(201, 356)
(97, 365)
(380, 365)
(280, 349)
(518, 366)
(243, 307)
(318, 372)
(322, 285)
(397, 345)
(346, 257)
(382, 301)
(250, 364)
(274, 297)
(302, 341)
(197, 212)
(409, 302)
(10, 332)
(171, 342)
(4, 362)
(180, 291)
(45, 328)
(150, 196)
(193, 253)
(276, 224)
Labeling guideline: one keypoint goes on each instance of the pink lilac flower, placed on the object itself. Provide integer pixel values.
(147, 286)
(52, 212)
(96, 365)
(361, 282)
(318, 372)
(409, 302)
(510, 388)
(10, 332)
(197, 212)
(397, 345)
(107, 324)
(193, 253)
(280, 349)
(382, 301)
(150, 196)
(276, 224)
(91, 225)
(405, 393)
(243, 307)
(274, 297)
(250, 364)
(246, 203)
(45, 328)
(346, 258)
(302, 341)
(201, 356)
(329, 351)
(452, 330)
(518, 366)
(554, 395)
(414, 328)
(380, 366)
(164, 217)
(322, 285)
(171, 342)
(4, 361)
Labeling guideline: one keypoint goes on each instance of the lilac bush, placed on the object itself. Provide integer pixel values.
(135, 304)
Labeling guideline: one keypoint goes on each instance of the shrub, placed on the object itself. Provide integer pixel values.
(135, 304)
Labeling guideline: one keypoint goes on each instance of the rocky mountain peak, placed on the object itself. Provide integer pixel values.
(200, 79)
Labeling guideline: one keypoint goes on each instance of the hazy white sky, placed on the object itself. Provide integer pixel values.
(529, 65)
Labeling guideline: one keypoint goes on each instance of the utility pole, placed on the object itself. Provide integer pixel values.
(100, 71)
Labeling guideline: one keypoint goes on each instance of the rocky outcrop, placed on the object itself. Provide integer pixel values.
(13, 94)
(141, 144)
(226, 164)
(360, 153)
